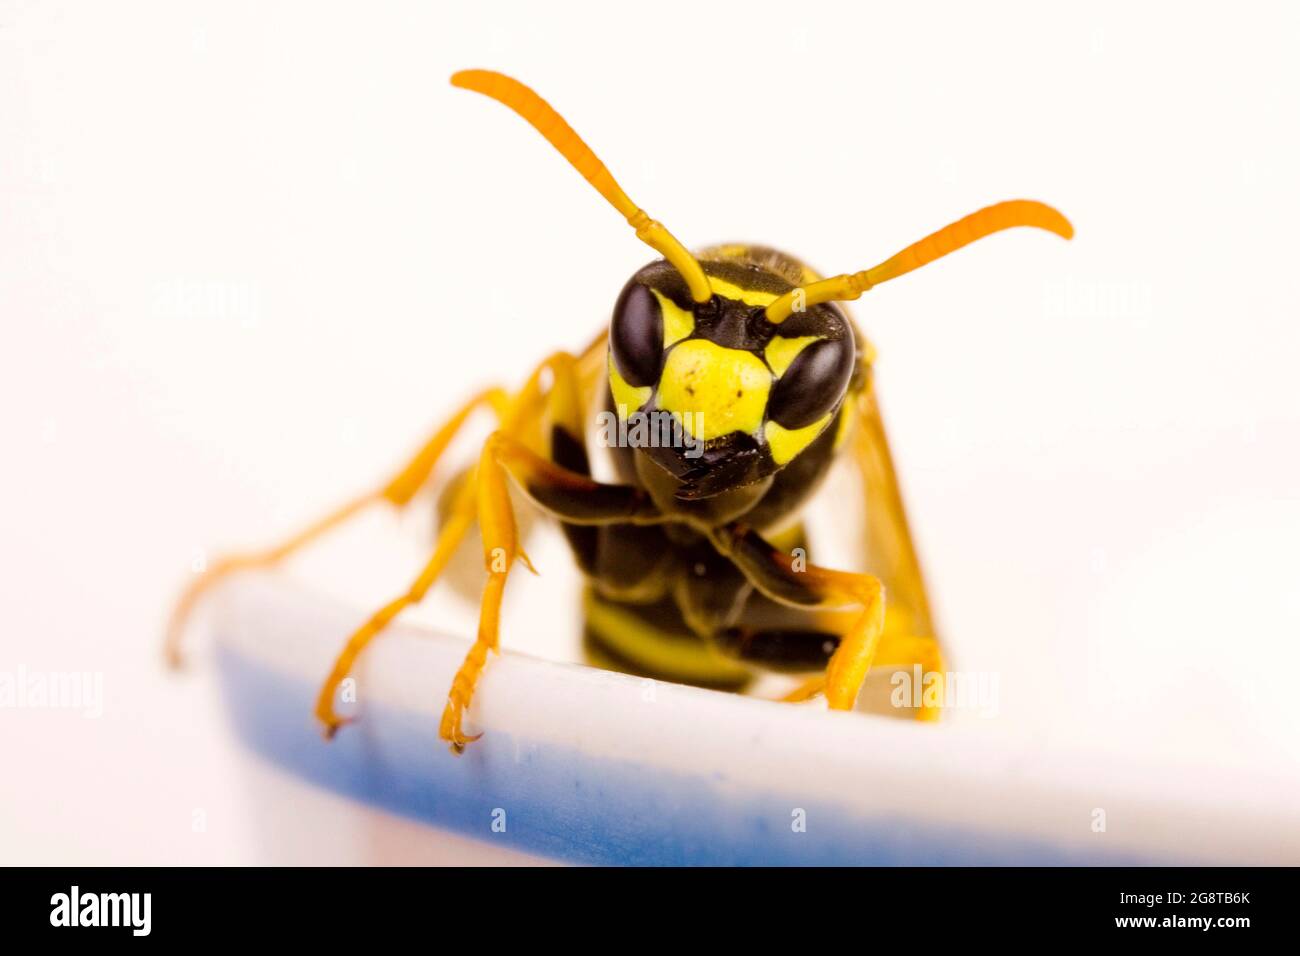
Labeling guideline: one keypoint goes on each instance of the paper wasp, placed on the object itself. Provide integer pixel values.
(691, 561)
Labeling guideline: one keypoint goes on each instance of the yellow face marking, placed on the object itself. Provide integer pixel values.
(785, 443)
(729, 290)
(678, 322)
(781, 352)
(627, 398)
(714, 391)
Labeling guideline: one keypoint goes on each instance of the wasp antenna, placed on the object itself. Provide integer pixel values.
(543, 118)
(985, 222)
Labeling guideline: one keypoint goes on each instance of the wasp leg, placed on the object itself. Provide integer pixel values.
(784, 579)
(562, 486)
(807, 690)
(570, 496)
(397, 492)
(518, 415)
(904, 649)
(449, 539)
(799, 649)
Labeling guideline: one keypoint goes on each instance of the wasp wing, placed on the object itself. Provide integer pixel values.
(891, 553)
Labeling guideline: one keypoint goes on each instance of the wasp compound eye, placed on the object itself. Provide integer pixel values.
(812, 384)
(636, 335)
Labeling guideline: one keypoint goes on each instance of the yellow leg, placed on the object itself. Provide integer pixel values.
(904, 651)
(893, 651)
(483, 493)
(807, 690)
(397, 492)
(504, 454)
(449, 538)
(496, 520)
(776, 574)
(857, 651)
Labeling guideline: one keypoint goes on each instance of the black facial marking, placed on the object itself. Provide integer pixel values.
(734, 325)
(731, 461)
(636, 335)
(812, 384)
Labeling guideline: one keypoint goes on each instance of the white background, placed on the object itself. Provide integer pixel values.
(250, 253)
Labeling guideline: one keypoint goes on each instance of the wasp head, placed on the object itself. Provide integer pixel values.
(714, 393)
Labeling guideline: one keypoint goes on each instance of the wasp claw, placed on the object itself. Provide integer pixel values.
(332, 727)
(459, 741)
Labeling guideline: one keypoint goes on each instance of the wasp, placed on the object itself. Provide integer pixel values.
(695, 560)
